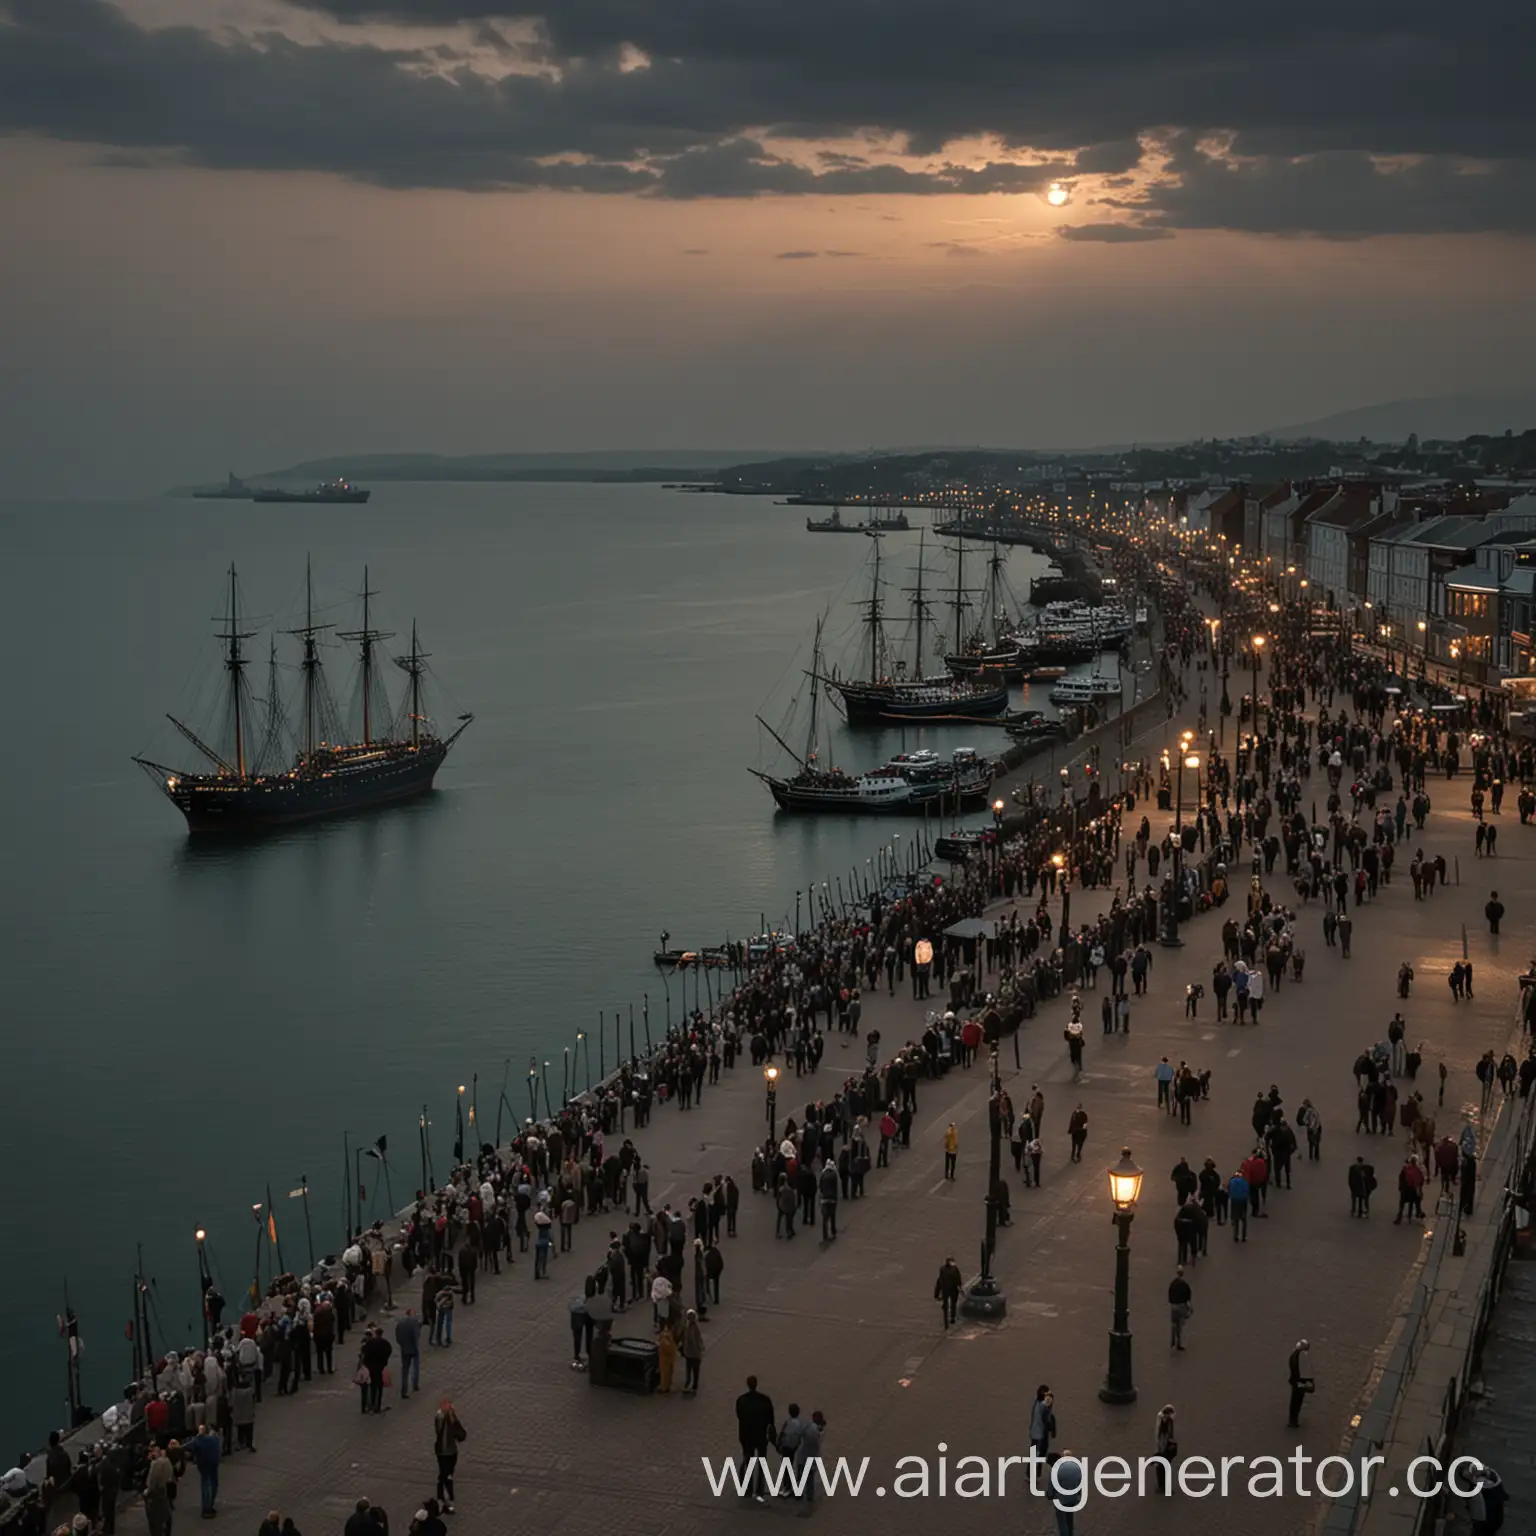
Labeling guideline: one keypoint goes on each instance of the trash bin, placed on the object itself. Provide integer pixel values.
(631, 1365)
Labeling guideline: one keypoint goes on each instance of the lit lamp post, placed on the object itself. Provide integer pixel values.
(204, 1281)
(997, 842)
(1060, 862)
(1258, 646)
(771, 1081)
(985, 1298)
(1124, 1190)
(1456, 657)
(1423, 645)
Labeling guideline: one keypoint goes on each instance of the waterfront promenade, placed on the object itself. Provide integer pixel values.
(851, 1328)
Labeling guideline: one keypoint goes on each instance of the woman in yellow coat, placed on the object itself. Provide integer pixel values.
(666, 1343)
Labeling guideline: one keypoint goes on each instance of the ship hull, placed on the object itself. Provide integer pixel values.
(789, 797)
(314, 498)
(280, 801)
(873, 705)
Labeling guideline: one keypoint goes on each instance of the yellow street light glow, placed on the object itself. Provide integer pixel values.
(1124, 1182)
(1193, 760)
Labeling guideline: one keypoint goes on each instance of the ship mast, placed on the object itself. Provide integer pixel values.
(367, 638)
(919, 605)
(959, 590)
(875, 616)
(995, 592)
(234, 664)
(415, 664)
(815, 675)
(311, 662)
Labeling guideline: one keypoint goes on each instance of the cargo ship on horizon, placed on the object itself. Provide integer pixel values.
(327, 493)
(255, 786)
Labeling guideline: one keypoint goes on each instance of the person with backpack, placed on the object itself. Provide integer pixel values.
(448, 1434)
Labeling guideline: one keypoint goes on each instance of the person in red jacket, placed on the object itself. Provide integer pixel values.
(1256, 1171)
(887, 1136)
(1410, 1191)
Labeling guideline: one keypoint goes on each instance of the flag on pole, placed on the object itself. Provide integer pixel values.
(378, 1150)
(272, 1225)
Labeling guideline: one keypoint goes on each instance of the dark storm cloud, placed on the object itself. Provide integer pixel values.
(1083, 84)
(1112, 234)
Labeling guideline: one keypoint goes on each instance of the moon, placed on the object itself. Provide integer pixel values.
(1056, 194)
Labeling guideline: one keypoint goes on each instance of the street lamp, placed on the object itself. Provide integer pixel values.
(1258, 646)
(204, 1281)
(1059, 861)
(985, 1299)
(771, 1080)
(1124, 1191)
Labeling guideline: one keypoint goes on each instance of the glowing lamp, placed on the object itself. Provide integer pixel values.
(1124, 1182)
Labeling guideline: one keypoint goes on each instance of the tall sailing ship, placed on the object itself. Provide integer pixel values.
(910, 784)
(891, 694)
(254, 784)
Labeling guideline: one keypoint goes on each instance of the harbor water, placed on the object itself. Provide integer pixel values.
(192, 1023)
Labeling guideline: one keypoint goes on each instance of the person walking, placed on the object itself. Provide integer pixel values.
(1494, 911)
(946, 1290)
(1181, 1305)
(754, 1429)
(448, 1434)
(951, 1151)
(1299, 1369)
(1066, 1479)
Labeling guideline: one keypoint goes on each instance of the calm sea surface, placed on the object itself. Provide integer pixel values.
(188, 1024)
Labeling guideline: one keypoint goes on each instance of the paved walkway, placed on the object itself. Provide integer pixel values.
(851, 1327)
(1500, 1427)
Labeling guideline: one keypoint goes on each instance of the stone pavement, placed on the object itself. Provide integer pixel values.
(1499, 1426)
(851, 1327)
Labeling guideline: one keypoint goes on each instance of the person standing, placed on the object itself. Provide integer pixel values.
(946, 1290)
(448, 1434)
(1362, 1180)
(807, 1452)
(754, 1429)
(666, 1356)
(159, 1484)
(829, 1198)
(206, 1450)
(242, 1410)
(1237, 1206)
(1494, 912)
(1167, 1447)
(1181, 1304)
(691, 1348)
(951, 1150)
(1042, 1420)
(1299, 1368)
(1077, 1131)
(408, 1338)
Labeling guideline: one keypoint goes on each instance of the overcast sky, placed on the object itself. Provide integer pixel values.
(239, 233)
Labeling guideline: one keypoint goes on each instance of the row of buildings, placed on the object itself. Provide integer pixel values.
(1447, 573)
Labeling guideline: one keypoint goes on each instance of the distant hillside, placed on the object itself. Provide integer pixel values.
(614, 464)
(1437, 416)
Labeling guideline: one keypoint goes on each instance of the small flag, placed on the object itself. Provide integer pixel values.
(272, 1225)
(299, 1193)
